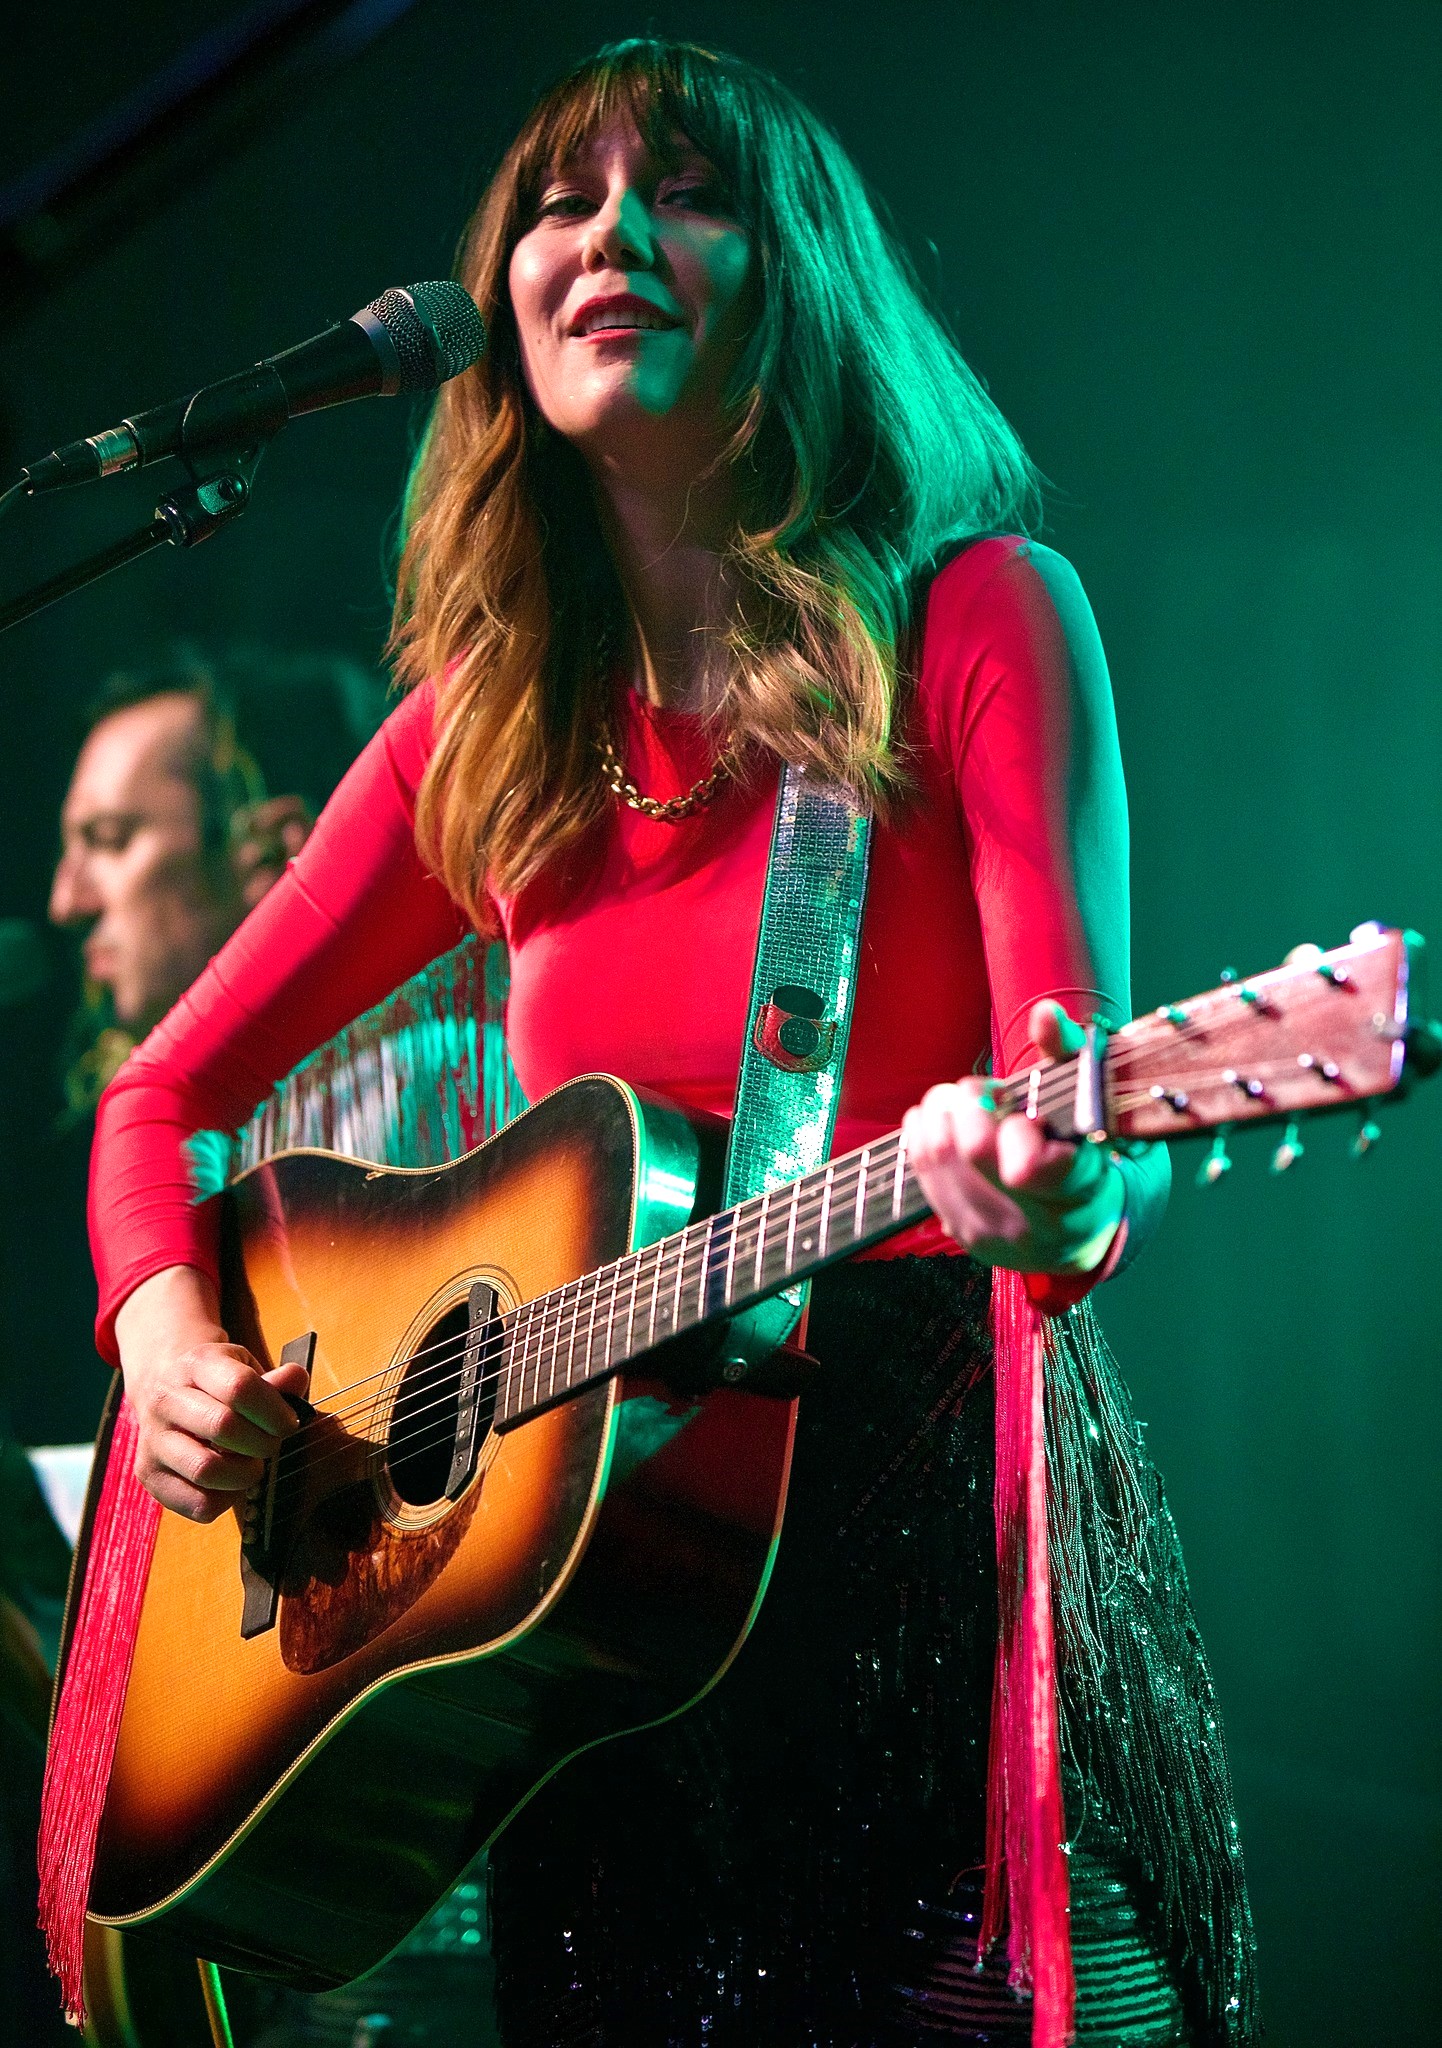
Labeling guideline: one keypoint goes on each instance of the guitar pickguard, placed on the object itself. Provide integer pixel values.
(353, 1574)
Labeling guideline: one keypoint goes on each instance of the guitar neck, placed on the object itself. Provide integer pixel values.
(730, 1261)
(1323, 1031)
(712, 1268)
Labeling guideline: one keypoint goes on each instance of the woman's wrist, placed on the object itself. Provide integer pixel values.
(1106, 1213)
(171, 1310)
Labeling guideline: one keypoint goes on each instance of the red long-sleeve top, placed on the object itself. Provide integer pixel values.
(1003, 880)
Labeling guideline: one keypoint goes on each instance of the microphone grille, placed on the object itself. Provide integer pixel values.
(450, 313)
(435, 329)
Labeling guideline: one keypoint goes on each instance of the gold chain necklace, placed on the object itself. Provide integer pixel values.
(669, 810)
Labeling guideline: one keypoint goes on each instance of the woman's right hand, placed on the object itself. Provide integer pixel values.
(209, 1416)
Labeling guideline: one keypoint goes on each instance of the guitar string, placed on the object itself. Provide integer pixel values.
(440, 1394)
(1014, 1090)
(807, 1210)
(1121, 1062)
(1051, 1087)
(850, 1162)
(441, 1426)
(591, 1287)
(673, 1252)
(848, 1169)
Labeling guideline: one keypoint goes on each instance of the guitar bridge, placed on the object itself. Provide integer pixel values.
(266, 1532)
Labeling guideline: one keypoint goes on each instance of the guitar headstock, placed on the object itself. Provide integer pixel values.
(1322, 1031)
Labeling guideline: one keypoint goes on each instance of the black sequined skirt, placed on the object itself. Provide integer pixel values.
(797, 1859)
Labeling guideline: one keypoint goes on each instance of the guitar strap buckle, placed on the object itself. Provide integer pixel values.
(793, 1031)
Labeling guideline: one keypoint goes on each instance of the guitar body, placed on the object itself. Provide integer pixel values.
(294, 1800)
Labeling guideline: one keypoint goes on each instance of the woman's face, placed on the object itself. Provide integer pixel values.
(632, 306)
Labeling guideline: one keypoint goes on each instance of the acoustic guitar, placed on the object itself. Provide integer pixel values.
(535, 1501)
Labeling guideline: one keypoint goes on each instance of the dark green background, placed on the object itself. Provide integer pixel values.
(1195, 254)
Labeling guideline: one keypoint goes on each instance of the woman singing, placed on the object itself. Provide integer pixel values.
(724, 495)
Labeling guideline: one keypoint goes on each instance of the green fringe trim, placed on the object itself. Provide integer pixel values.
(414, 1082)
(1140, 1728)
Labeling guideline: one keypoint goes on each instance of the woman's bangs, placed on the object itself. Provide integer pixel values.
(660, 92)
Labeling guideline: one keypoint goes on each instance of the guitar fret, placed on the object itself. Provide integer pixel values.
(591, 1329)
(808, 1188)
(717, 1261)
(526, 1346)
(533, 1326)
(551, 1350)
(791, 1226)
(556, 1346)
(543, 1309)
(663, 1291)
(761, 1236)
(503, 1370)
(825, 1210)
(611, 1311)
(655, 1297)
(705, 1275)
(631, 1305)
(513, 1335)
(899, 1178)
(858, 1221)
(605, 1322)
(681, 1249)
(571, 1343)
(545, 1342)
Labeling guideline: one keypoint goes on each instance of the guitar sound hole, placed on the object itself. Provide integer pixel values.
(425, 1418)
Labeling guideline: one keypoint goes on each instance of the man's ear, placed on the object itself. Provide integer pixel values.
(263, 837)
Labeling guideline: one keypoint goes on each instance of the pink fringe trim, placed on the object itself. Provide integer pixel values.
(1026, 1865)
(87, 1716)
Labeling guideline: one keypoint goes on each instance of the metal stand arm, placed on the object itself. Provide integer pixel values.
(134, 545)
(184, 519)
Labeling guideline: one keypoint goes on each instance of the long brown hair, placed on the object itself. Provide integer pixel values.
(870, 448)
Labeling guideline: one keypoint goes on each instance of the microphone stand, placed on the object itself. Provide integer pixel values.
(190, 514)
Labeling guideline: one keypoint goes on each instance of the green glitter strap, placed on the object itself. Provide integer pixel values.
(799, 1019)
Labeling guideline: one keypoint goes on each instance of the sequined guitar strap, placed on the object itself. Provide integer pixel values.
(802, 990)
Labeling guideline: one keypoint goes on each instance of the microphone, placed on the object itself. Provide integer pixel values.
(406, 340)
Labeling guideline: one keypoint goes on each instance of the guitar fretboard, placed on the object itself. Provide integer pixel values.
(724, 1263)
(1322, 1032)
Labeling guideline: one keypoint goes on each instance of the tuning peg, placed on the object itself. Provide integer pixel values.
(1303, 956)
(1217, 1162)
(1290, 1150)
(1227, 976)
(1368, 1132)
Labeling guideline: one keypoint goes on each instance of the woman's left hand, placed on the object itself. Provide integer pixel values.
(1005, 1191)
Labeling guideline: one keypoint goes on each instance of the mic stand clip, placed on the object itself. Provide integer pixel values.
(201, 507)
